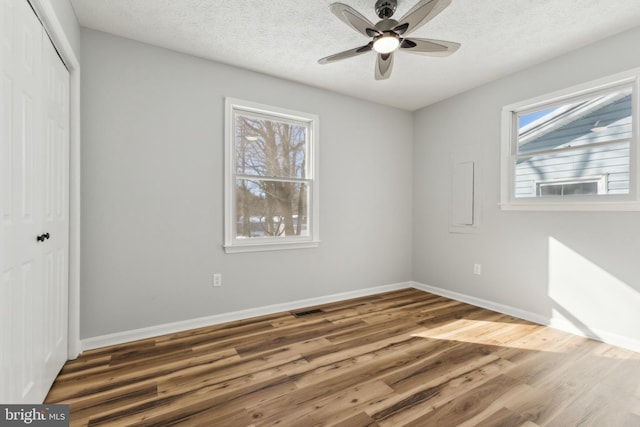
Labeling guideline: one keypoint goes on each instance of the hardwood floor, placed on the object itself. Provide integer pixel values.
(402, 358)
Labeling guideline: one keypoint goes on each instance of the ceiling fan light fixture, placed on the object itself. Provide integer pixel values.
(386, 43)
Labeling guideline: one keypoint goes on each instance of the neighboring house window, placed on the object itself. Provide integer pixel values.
(573, 150)
(271, 182)
(568, 187)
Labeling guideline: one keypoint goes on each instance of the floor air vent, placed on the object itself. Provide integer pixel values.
(306, 312)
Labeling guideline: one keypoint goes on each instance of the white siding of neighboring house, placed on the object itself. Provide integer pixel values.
(612, 161)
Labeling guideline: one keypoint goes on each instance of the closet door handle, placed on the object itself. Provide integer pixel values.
(43, 237)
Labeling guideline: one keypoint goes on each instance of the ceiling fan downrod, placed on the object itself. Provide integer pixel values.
(386, 8)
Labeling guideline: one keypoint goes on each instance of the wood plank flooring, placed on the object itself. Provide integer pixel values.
(402, 358)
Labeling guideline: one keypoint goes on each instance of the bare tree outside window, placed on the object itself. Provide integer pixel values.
(271, 177)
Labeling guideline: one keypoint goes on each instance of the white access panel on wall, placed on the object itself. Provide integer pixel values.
(462, 193)
(464, 204)
(34, 229)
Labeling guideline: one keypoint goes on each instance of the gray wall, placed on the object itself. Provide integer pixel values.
(576, 268)
(152, 191)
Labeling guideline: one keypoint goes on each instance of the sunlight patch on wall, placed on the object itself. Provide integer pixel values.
(589, 297)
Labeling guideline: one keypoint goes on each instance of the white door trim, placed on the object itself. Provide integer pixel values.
(56, 32)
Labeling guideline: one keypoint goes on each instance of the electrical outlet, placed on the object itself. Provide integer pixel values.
(217, 280)
(477, 269)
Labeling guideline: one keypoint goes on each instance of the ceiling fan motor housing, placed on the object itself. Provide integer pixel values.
(386, 8)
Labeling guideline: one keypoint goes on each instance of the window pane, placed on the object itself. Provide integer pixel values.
(595, 120)
(610, 161)
(266, 208)
(571, 142)
(580, 188)
(270, 148)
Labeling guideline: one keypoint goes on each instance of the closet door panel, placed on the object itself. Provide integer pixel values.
(34, 172)
(55, 210)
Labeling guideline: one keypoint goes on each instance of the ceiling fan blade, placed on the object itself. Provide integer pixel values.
(429, 47)
(354, 19)
(423, 12)
(347, 54)
(384, 64)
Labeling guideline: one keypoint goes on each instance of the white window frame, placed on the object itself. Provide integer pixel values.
(312, 122)
(602, 202)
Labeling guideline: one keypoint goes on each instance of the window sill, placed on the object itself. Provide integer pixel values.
(263, 247)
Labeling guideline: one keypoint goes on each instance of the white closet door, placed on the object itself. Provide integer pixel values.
(56, 211)
(33, 261)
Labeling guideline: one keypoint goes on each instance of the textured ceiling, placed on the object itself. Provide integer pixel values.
(285, 38)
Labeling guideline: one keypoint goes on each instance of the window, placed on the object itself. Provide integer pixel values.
(573, 150)
(271, 183)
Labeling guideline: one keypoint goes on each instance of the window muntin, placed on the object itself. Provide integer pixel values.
(569, 138)
(271, 178)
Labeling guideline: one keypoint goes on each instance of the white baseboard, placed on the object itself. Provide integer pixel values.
(170, 328)
(553, 322)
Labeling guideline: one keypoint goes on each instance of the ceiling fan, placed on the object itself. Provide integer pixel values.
(388, 35)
